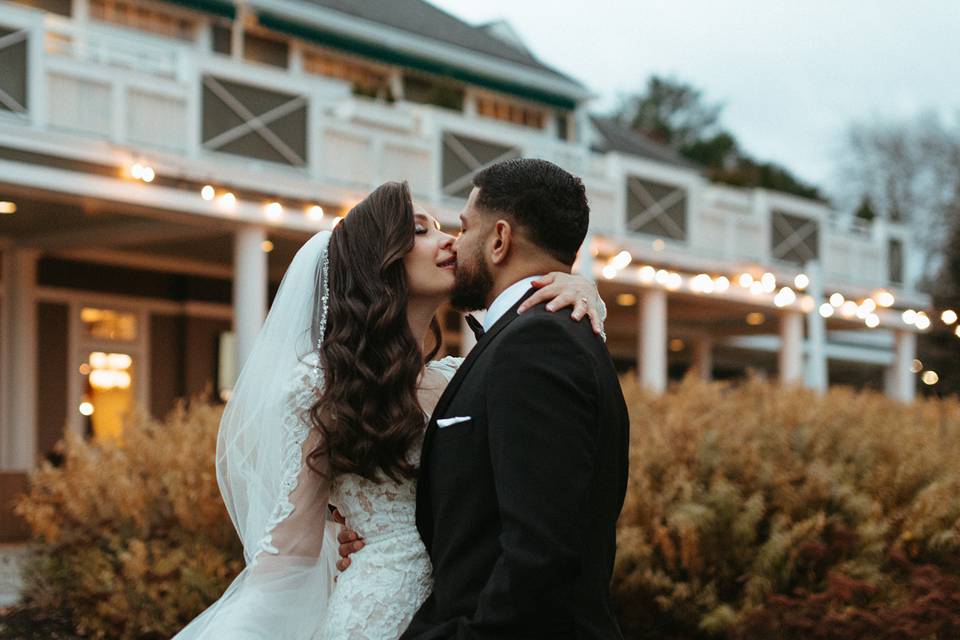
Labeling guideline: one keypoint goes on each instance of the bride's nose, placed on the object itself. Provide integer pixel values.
(446, 241)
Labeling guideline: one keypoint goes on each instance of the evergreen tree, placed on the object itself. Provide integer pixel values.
(865, 211)
(675, 113)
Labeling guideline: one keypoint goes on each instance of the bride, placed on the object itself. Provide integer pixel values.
(330, 409)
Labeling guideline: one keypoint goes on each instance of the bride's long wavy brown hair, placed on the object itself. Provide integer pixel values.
(368, 414)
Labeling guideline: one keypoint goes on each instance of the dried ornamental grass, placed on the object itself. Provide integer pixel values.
(740, 495)
(753, 511)
(131, 537)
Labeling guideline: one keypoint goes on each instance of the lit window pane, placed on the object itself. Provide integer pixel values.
(108, 324)
(108, 392)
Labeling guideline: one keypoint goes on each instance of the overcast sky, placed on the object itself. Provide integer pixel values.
(791, 73)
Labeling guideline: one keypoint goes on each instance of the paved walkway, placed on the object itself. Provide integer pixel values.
(11, 556)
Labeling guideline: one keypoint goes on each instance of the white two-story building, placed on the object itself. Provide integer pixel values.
(161, 162)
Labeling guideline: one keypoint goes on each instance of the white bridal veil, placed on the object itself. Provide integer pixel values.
(276, 502)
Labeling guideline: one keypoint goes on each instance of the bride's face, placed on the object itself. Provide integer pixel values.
(431, 264)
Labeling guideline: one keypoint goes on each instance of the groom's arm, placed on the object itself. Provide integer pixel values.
(542, 413)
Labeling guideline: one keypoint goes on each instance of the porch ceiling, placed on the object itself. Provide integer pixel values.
(91, 229)
(692, 315)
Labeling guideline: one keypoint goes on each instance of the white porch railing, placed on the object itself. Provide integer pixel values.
(144, 93)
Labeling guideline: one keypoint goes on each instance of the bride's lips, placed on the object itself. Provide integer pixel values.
(449, 263)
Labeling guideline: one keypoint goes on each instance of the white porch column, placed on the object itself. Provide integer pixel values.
(703, 357)
(18, 441)
(249, 288)
(816, 373)
(583, 266)
(791, 347)
(652, 346)
(900, 381)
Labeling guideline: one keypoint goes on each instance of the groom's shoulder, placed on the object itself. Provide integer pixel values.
(553, 325)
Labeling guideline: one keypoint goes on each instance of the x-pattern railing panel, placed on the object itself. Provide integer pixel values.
(256, 122)
(656, 208)
(794, 238)
(13, 71)
(463, 157)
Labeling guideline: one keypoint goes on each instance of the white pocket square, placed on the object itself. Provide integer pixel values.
(447, 422)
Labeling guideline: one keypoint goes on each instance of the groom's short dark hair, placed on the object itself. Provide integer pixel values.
(550, 204)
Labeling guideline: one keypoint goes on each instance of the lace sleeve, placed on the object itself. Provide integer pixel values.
(282, 593)
(296, 526)
(447, 366)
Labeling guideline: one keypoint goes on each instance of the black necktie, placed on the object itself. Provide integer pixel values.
(475, 326)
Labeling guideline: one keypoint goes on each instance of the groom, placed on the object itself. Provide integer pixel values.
(524, 463)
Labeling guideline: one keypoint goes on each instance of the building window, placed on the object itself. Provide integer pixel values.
(13, 62)
(108, 394)
(109, 353)
(563, 125)
(108, 324)
(276, 53)
(656, 208)
(221, 38)
(895, 261)
(135, 15)
(61, 7)
(255, 123)
(510, 111)
(227, 373)
(364, 79)
(794, 239)
(464, 156)
(439, 92)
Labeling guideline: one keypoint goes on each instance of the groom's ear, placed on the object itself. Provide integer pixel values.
(502, 239)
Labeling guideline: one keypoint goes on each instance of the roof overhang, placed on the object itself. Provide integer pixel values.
(222, 8)
(393, 46)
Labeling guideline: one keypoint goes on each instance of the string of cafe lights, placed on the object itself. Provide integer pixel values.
(227, 201)
(836, 304)
(864, 309)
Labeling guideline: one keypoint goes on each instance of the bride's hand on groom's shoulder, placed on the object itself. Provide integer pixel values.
(561, 290)
(350, 542)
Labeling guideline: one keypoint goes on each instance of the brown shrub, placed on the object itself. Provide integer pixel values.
(742, 495)
(131, 537)
(753, 511)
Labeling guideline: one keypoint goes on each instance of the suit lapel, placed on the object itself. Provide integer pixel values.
(451, 391)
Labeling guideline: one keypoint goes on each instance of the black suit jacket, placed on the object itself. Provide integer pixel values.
(518, 505)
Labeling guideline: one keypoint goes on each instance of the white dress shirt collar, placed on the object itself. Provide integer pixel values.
(507, 298)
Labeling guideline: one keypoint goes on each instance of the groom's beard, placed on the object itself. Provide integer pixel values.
(472, 286)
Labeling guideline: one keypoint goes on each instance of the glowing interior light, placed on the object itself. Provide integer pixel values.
(621, 260)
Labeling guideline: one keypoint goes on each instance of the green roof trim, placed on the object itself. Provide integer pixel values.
(223, 8)
(384, 54)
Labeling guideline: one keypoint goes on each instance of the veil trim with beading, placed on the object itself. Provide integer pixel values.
(277, 503)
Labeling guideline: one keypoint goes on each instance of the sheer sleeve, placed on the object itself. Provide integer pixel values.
(283, 591)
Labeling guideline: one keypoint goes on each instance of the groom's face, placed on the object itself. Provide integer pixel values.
(473, 277)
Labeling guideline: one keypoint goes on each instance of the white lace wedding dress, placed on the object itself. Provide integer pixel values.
(389, 578)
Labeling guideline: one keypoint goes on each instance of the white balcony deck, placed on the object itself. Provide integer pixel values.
(102, 93)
